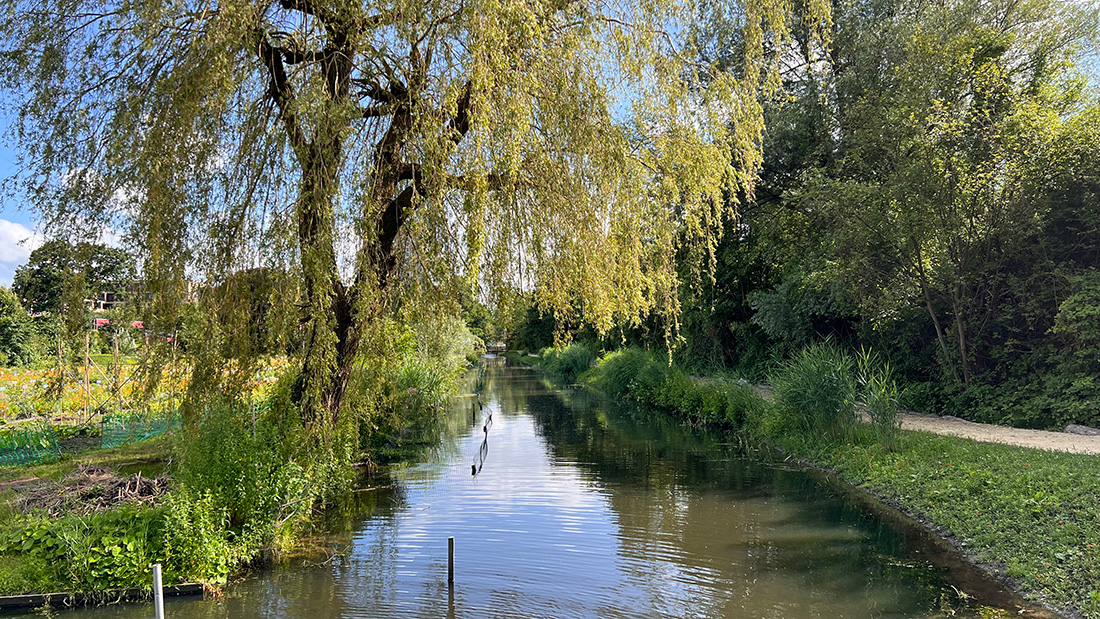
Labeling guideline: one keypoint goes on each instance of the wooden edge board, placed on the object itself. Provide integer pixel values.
(80, 599)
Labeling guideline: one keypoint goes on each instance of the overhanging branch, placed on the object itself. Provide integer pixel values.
(282, 93)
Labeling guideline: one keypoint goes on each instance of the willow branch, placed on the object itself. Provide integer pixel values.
(282, 93)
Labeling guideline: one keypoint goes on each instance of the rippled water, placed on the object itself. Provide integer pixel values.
(584, 509)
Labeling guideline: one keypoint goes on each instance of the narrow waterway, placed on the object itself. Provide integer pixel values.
(584, 509)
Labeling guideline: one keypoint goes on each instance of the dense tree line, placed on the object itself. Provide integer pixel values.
(931, 190)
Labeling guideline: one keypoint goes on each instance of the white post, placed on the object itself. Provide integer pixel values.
(158, 592)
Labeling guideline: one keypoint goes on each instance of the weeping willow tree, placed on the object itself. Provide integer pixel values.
(361, 150)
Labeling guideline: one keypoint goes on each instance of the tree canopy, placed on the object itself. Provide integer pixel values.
(369, 149)
(42, 281)
(930, 190)
(16, 331)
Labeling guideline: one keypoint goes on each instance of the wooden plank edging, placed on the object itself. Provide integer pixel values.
(134, 594)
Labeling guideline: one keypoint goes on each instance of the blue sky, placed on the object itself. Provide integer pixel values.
(17, 222)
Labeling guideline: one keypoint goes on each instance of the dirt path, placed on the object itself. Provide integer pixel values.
(1038, 439)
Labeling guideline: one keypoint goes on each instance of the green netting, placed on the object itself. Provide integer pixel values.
(133, 428)
(28, 444)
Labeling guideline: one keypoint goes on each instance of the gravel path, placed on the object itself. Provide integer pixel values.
(953, 426)
(1038, 439)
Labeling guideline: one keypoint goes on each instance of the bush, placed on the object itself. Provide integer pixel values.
(234, 456)
(569, 362)
(816, 391)
(744, 403)
(114, 549)
(618, 373)
(196, 547)
(649, 378)
(407, 382)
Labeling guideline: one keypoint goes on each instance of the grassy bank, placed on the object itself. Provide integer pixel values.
(1027, 516)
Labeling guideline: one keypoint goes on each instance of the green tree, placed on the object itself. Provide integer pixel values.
(17, 332)
(922, 194)
(930, 189)
(538, 144)
(41, 282)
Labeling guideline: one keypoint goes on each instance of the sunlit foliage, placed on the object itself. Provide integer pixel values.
(365, 150)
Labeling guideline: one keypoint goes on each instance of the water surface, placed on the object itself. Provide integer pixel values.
(581, 508)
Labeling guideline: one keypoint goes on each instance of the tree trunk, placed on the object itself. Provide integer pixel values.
(961, 336)
(332, 335)
(922, 277)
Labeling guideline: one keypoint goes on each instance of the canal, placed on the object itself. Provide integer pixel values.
(562, 505)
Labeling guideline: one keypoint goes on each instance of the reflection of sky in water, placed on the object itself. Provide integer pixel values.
(529, 533)
(550, 529)
(582, 512)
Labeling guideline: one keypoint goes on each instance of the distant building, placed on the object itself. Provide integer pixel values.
(108, 300)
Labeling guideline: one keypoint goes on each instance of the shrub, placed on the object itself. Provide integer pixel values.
(675, 391)
(105, 550)
(649, 378)
(618, 373)
(196, 547)
(744, 403)
(816, 390)
(406, 384)
(569, 362)
(234, 455)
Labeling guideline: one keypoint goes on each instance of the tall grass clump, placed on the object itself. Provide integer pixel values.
(815, 393)
(630, 373)
(878, 392)
(407, 383)
(568, 362)
(650, 378)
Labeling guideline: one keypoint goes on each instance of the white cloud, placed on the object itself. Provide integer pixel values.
(16, 244)
(110, 237)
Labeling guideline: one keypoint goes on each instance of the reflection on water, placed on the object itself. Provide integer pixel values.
(581, 509)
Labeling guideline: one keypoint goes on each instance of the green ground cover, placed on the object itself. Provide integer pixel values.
(1027, 516)
(241, 485)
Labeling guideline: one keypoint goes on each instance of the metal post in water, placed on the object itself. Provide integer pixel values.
(451, 561)
(158, 592)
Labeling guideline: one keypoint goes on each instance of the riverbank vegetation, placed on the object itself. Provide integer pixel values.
(329, 184)
(730, 184)
(1026, 516)
(235, 490)
(929, 190)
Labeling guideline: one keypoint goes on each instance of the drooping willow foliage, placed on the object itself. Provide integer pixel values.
(345, 153)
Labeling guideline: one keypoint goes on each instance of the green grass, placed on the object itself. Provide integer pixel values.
(152, 449)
